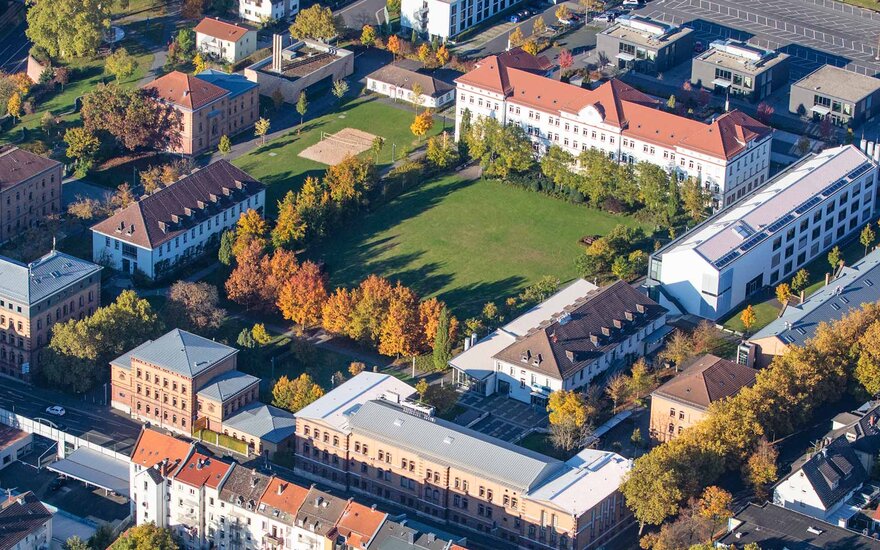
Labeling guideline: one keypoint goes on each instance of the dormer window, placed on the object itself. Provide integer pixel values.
(606, 331)
(594, 338)
(640, 308)
(629, 315)
(526, 355)
(618, 323)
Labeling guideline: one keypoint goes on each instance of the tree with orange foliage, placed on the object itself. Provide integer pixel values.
(372, 307)
(350, 179)
(400, 333)
(422, 123)
(251, 227)
(246, 284)
(22, 82)
(300, 300)
(442, 55)
(278, 269)
(429, 316)
(394, 45)
(337, 311)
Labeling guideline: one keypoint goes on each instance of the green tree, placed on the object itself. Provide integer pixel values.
(695, 198)
(81, 144)
(186, 42)
(121, 64)
(246, 339)
(800, 280)
(867, 237)
(442, 151)
(368, 35)
(261, 128)
(315, 22)
(622, 268)
(834, 258)
(48, 122)
(293, 395)
(340, 88)
(302, 106)
(145, 537)
(68, 28)
(557, 165)
(654, 190)
(76, 543)
(442, 351)
(651, 490)
(289, 226)
(540, 290)
(227, 242)
(225, 145)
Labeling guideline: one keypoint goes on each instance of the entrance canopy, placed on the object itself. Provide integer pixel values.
(723, 83)
(625, 56)
(95, 469)
(820, 110)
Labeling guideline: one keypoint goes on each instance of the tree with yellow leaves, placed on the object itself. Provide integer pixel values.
(293, 395)
(530, 47)
(251, 227)
(422, 123)
(569, 419)
(400, 332)
(337, 311)
(442, 55)
(748, 317)
(13, 106)
(516, 38)
(563, 13)
(199, 64)
(425, 53)
(783, 293)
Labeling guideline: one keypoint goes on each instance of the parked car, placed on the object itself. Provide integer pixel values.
(605, 17)
(633, 3)
(57, 410)
(57, 483)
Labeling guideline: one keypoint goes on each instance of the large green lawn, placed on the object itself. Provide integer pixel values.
(468, 242)
(279, 166)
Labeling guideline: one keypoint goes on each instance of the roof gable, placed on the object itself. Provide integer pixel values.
(707, 380)
(223, 30)
(183, 352)
(185, 90)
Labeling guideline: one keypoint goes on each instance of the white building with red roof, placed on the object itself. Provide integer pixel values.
(730, 155)
(225, 41)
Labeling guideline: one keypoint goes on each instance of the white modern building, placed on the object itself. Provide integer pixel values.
(577, 335)
(730, 156)
(267, 11)
(770, 234)
(447, 18)
(225, 41)
(177, 223)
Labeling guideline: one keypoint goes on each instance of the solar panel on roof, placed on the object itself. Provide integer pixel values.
(833, 187)
(807, 205)
(726, 259)
(859, 171)
(751, 243)
(778, 224)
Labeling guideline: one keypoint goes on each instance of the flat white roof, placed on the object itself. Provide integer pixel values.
(334, 408)
(784, 198)
(96, 469)
(592, 475)
(477, 361)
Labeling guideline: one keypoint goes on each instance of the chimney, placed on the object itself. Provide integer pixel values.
(280, 488)
(467, 344)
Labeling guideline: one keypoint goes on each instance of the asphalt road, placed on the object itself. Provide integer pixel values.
(85, 419)
(14, 47)
(813, 32)
(362, 12)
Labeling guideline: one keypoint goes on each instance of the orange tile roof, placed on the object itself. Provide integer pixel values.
(620, 105)
(153, 447)
(289, 500)
(203, 470)
(359, 524)
(221, 29)
(185, 90)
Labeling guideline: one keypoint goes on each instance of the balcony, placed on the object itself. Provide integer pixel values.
(273, 541)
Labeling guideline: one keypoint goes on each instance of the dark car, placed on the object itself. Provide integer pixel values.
(57, 483)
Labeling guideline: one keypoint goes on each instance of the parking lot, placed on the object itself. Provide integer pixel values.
(508, 418)
(813, 32)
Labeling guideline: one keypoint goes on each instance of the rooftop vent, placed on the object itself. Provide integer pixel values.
(814, 530)
(448, 440)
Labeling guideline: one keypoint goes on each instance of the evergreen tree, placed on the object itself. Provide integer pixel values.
(442, 343)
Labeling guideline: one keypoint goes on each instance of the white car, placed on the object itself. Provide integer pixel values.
(56, 410)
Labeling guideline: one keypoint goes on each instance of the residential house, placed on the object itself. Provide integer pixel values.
(30, 190)
(195, 484)
(822, 482)
(729, 155)
(225, 41)
(317, 517)
(33, 298)
(844, 97)
(178, 223)
(207, 111)
(577, 336)
(644, 45)
(853, 286)
(861, 428)
(155, 459)
(265, 12)
(233, 519)
(684, 401)
(25, 523)
(400, 83)
(359, 525)
(770, 234)
(740, 69)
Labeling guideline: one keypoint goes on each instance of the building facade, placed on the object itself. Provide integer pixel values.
(30, 190)
(844, 97)
(684, 401)
(396, 451)
(224, 41)
(36, 296)
(448, 18)
(264, 12)
(810, 207)
(14, 443)
(399, 83)
(644, 45)
(730, 156)
(178, 223)
(740, 69)
(208, 111)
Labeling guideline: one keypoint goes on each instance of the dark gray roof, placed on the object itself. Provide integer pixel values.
(179, 351)
(320, 512)
(405, 78)
(858, 284)
(20, 516)
(243, 487)
(773, 527)
(454, 445)
(408, 535)
(264, 421)
(17, 165)
(585, 332)
(862, 430)
(833, 472)
(227, 385)
(30, 283)
(706, 380)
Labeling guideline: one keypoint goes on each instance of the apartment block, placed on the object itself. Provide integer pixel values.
(35, 296)
(643, 45)
(208, 110)
(764, 239)
(740, 69)
(684, 401)
(30, 190)
(396, 451)
(177, 224)
(577, 335)
(264, 12)
(224, 41)
(844, 97)
(448, 18)
(25, 523)
(730, 156)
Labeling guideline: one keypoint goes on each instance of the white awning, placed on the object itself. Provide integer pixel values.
(721, 82)
(820, 110)
(94, 468)
(625, 56)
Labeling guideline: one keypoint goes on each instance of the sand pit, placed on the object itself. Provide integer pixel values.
(334, 147)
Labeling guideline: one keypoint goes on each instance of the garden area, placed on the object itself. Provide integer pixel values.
(279, 166)
(466, 242)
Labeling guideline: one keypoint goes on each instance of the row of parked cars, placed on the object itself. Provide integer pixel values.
(607, 16)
